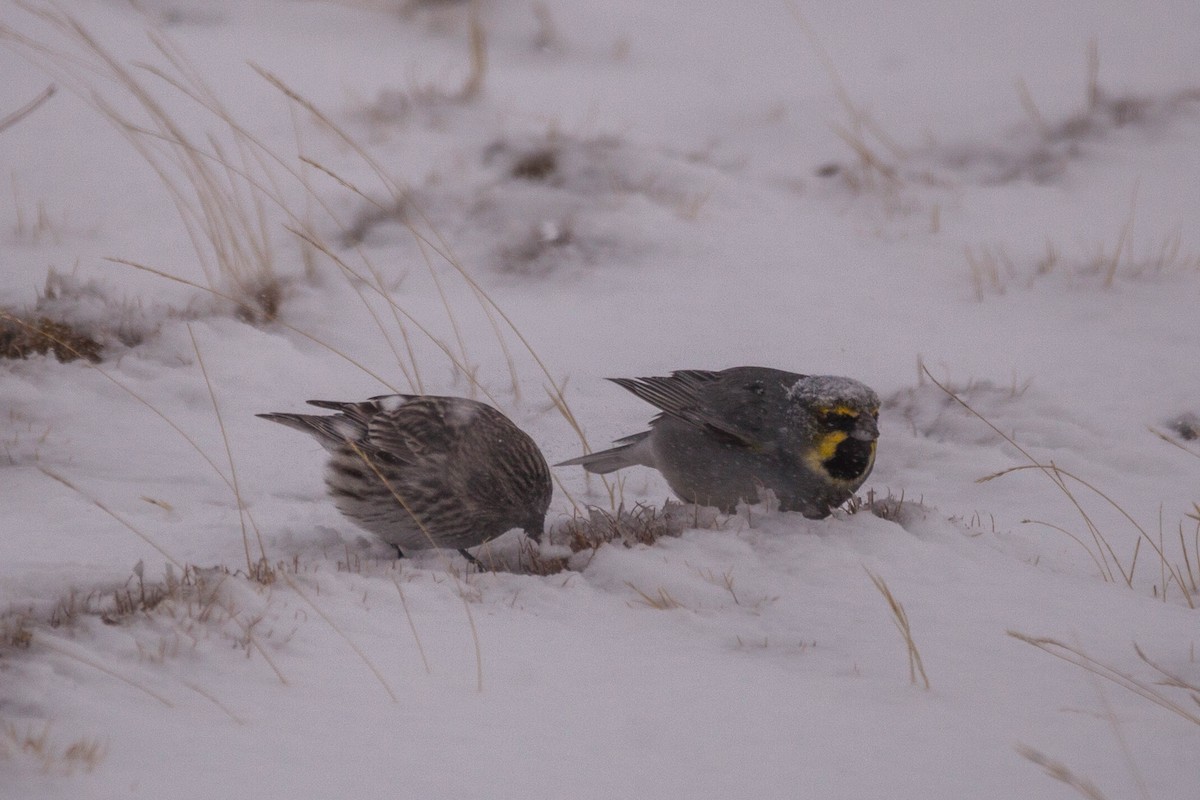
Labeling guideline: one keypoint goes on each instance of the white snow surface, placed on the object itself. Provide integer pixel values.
(841, 188)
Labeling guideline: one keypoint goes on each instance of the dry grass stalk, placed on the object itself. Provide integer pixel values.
(24, 111)
(124, 522)
(916, 667)
(260, 566)
(859, 118)
(1125, 235)
(1030, 106)
(477, 39)
(1105, 550)
(222, 212)
(989, 269)
(1092, 100)
(75, 653)
(660, 600)
(342, 634)
(1074, 655)
(1059, 772)
(412, 626)
(1167, 567)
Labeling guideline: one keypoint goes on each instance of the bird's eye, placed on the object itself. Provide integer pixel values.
(838, 420)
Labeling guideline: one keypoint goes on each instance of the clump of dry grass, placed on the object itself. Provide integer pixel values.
(640, 525)
(993, 270)
(118, 605)
(74, 319)
(15, 631)
(874, 170)
(890, 506)
(431, 97)
(540, 164)
(23, 336)
(185, 606)
(1186, 426)
(220, 197)
(85, 753)
(1102, 111)
(660, 599)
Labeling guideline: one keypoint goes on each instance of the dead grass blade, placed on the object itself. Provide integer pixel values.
(49, 473)
(661, 599)
(295, 587)
(900, 618)
(24, 111)
(243, 512)
(1059, 772)
(72, 651)
(1105, 550)
(412, 626)
(1074, 655)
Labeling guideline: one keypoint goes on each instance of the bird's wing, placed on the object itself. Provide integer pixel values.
(730, 410)
(409, 430)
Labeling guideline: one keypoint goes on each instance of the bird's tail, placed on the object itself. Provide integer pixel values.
(631, 451)
(329, 430)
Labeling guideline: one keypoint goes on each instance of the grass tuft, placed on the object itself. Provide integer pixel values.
(643, 524)
(587, 533)
(890, 507)
(660, 599)
(85, 753)
(22, 337)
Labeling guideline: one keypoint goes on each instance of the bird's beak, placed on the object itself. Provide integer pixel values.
(865, 428)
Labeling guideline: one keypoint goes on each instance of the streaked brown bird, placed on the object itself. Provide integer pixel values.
(421, 471)
(723, 435)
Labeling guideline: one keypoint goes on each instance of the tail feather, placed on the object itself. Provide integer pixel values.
(330, 431)
(633, 452)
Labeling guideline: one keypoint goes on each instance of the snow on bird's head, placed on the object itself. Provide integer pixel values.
(824, 391)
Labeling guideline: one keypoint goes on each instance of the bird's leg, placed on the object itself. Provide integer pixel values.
(478, 564)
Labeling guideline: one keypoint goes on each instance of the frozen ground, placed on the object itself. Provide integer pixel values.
(853, 188)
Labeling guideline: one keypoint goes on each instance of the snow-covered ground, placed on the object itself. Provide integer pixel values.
(1006, 195)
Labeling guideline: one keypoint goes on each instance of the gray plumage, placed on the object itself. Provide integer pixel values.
(421, 471)
(723, 435)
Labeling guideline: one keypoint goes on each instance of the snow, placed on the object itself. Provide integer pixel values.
(638, 188)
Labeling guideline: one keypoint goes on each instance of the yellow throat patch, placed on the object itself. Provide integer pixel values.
(825, 449)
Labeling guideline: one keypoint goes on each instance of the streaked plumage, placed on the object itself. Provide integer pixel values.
(421, 471)
(724, 434)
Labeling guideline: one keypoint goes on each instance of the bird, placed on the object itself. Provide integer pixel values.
(424, 471)
(724, 435)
